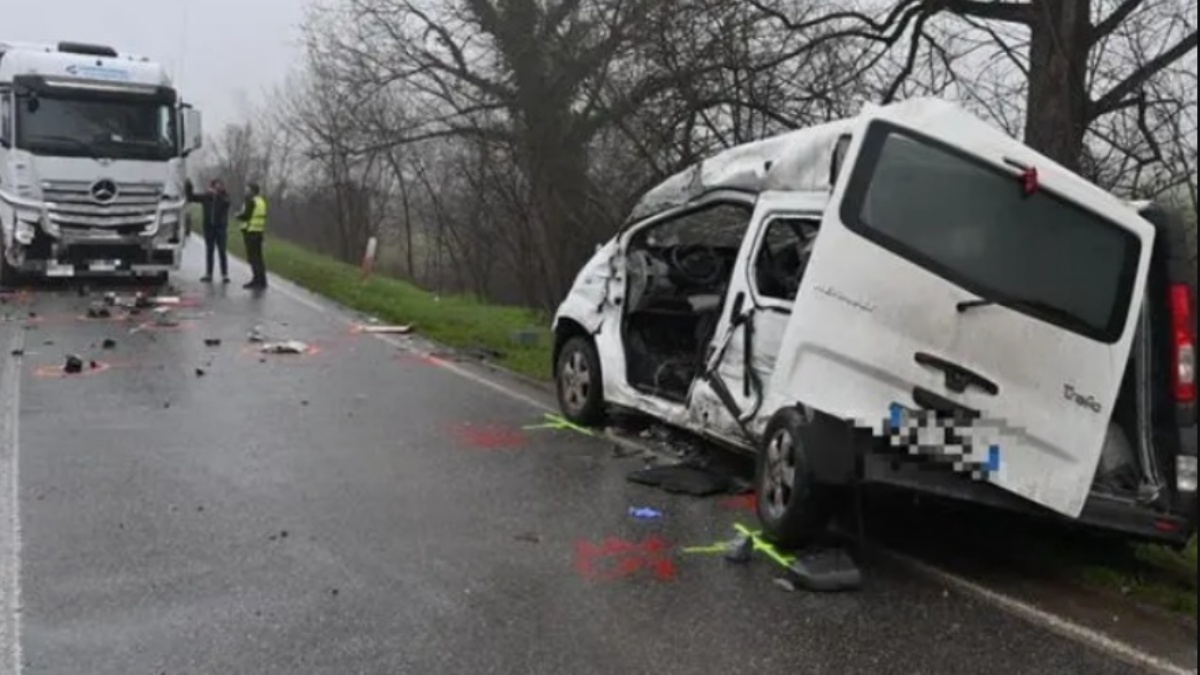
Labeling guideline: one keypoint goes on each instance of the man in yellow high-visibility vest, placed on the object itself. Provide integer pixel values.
(254, 226)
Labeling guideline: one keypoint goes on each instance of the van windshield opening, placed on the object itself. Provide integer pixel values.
(972, 224)
(113, 128)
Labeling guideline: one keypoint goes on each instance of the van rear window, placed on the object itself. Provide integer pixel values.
(971, 223)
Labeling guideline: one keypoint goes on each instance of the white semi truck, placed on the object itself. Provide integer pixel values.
(93, 153)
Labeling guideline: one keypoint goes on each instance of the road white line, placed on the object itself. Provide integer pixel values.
(1041, 618)
(10, 516)
(297, 295)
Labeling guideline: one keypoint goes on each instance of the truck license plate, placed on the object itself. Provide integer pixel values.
(104, 265)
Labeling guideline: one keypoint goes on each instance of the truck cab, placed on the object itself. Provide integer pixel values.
(93, 150)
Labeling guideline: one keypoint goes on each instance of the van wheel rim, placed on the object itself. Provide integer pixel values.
(780, 473)
(575, 380)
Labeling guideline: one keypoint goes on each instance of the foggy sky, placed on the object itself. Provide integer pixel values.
(229, 52)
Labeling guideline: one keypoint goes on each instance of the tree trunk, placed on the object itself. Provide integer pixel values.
(1057, 111)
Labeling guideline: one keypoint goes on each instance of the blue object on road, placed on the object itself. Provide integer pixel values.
(644, 512)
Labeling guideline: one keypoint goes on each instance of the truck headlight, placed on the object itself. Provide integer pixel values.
(24, 233)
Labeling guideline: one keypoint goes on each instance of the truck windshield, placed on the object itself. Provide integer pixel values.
(971, 223)
(111, 128)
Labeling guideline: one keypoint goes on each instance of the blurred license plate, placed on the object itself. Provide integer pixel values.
(104, 265)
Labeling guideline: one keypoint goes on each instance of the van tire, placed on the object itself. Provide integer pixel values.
(791, 515)
(579, 382)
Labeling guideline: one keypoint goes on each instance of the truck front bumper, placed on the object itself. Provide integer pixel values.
(34, 244)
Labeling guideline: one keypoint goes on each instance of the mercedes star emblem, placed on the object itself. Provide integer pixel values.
(104, 191)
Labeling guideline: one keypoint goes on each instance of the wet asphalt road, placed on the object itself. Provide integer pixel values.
(333, 513)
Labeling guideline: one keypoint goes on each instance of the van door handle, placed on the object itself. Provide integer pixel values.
(957, 377)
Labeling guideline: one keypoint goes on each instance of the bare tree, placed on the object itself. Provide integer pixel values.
(1057, 45)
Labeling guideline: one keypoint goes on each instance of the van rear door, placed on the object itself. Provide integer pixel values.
(959, 271)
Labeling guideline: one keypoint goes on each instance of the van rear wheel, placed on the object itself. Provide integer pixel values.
(579, 383)
(792, 507)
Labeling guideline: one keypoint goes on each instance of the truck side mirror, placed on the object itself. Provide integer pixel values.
(193, 131)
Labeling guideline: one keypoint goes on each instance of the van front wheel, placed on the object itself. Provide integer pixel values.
(792, 507)
(579, 383)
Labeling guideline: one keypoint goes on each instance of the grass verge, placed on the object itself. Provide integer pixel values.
(452, 320)
(1152, 574)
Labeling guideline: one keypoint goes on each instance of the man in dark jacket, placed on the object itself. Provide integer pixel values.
(215, 208)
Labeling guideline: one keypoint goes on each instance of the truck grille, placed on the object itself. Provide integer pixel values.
(73, 204)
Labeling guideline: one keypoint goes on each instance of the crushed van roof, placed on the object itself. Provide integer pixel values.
(798, 160)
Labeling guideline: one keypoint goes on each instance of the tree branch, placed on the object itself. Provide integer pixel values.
(1137, 79)
(1010, 12)
(1114, 20)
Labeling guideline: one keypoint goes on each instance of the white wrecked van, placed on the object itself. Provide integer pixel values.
(817, 296)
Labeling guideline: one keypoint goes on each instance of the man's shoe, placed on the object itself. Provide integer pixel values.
(250, 286)
(206, 280)
(225, 280)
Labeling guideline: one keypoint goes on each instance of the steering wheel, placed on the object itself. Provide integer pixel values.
(698, 263)
(785, 271)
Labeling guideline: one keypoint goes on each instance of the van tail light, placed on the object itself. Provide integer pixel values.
(1184, 343)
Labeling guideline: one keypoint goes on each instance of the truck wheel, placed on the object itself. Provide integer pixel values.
(792, 508)
(580, 385)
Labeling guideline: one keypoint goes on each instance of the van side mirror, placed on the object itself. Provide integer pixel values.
(193, 131)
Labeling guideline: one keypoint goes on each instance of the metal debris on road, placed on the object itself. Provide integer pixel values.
(682, 478)
(163, 317)
(212, 342)
(200, 372)
(255, 335)
(108, 343)
(827, 571)
(285, 347)
(18, 352)
(73, 365)
(740, 550)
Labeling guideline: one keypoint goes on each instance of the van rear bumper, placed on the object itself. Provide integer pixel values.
(1125, 517)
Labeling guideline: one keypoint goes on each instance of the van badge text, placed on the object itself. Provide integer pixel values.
(837, 295)
(1070, 394)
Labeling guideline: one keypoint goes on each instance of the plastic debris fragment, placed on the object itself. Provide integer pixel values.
(285, 347)
(645, 513)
